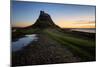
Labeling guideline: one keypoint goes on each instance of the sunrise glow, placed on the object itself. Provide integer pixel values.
(65, 16)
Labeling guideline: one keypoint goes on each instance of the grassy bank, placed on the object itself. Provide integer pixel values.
(55, 46)
(84, 48)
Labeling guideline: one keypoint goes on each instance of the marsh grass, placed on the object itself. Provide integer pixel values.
(80, 47)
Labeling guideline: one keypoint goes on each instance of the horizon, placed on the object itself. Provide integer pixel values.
(65, 16)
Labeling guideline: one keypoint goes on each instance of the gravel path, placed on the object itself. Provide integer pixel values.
(44, 51)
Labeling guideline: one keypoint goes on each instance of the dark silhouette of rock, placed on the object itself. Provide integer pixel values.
(44, 21)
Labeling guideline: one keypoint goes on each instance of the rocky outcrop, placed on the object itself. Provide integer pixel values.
(44, 21)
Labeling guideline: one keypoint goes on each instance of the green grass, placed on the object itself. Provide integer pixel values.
(21, 32)
(80, 47)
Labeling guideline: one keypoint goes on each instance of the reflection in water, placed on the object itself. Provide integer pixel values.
(22, 42)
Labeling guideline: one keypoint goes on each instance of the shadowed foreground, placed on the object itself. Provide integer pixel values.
(55, 47)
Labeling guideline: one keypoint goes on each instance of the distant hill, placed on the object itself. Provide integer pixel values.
(44, 21)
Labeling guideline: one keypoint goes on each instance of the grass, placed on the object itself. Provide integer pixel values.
(82, 48)
(21, 32)
(79, 47)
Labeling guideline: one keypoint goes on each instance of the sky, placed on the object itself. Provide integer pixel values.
(64, 15)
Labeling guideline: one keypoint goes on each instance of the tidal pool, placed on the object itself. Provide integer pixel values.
(24, 41)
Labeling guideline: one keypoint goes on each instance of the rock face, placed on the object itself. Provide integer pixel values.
(44, 21)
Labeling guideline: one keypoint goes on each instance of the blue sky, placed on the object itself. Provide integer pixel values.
(27, 12)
